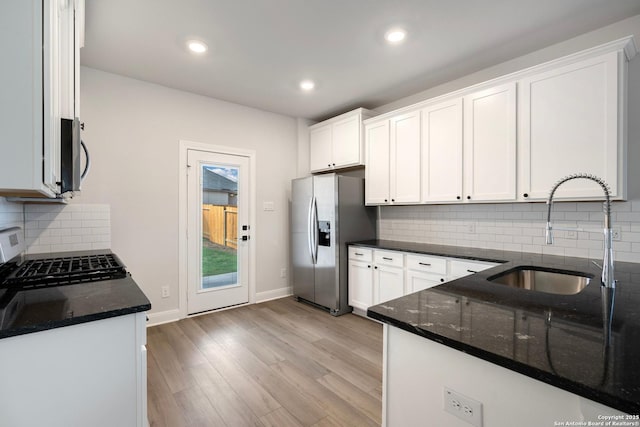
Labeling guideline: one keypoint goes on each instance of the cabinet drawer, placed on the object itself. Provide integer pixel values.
(461, 268)
(395, 259)
(427, 264)
(360, 254)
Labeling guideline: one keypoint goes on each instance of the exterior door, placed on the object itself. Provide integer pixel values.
(218, 230)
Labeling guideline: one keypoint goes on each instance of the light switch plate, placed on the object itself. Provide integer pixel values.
(268, 206)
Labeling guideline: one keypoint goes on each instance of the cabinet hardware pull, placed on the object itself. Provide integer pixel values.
(388, 259)
(468, 197)
(442, 280)
(458, 197)
(471, 271)
(376, 267)
(526, 195)
(425, 263)
(368, 266)
(358, 254)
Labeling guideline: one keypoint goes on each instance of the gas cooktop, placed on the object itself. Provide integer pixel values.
(20, 272)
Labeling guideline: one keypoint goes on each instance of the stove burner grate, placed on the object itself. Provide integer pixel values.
(65, 271)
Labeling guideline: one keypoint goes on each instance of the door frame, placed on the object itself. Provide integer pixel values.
(183, 217)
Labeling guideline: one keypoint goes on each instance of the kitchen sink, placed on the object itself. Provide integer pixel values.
(542, 280)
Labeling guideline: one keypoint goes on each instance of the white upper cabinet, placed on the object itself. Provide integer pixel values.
(570, 122)
(320, 150)
(338, 142)
(377, 184)
(490, 144)
(393, 160)
(40, 42)
(511, 138)
(405, 158)
(442, 152)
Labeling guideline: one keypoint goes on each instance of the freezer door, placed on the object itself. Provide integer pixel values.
(326, 277)
(301, 244)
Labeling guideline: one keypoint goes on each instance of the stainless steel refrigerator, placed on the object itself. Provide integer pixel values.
(327, 211)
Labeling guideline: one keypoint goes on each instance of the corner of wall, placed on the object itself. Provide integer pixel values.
(11, 214)
(303, 168)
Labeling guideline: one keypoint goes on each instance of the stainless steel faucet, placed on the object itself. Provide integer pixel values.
(607, 263)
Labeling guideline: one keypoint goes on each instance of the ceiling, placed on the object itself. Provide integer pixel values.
(259, 50)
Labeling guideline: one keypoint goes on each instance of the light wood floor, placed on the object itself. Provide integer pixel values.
(279, 363)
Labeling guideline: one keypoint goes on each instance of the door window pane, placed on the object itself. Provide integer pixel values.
(219, 226)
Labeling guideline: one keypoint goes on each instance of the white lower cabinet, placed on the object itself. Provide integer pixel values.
(464, 267)
(388, 283)
(417, 281)
(424, 272)
(376, 276)
(388, 275)
(89, 374)
(360, 284)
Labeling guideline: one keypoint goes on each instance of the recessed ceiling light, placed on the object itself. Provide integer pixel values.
(307, 85)
(197, 46)
(395, 35)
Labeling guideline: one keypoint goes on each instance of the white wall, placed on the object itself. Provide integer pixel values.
(10, 214)
(304, 168)
(133, 129)
(626, 27)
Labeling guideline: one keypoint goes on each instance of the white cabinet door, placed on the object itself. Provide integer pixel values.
(568, 124)
(347, 142)
(360, 284)
(442, 152)
(490, 144)
(89, 374)
(377, 166)
(320, 156)
(418, 280)
(405, 158)
(388, 283)
(40, 53)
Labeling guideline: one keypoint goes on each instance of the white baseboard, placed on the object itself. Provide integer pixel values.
(174, 315)
(163, 317)
(274, 294)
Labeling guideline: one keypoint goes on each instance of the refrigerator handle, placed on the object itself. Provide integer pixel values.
(316, 236)
(310, 230)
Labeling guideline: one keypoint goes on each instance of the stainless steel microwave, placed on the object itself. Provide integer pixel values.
(71, 145)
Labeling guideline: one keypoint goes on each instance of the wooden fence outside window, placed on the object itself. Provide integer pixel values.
(220, 225)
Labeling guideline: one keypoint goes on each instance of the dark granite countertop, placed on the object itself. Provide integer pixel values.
(562, 340)
(54, 307)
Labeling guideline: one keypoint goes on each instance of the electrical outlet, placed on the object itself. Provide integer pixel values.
(471, 228)
(463, 407)
(616, 234)
(572, 234)
(165, 292)
(283, 273)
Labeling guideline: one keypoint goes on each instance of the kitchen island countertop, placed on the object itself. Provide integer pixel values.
(587, 343)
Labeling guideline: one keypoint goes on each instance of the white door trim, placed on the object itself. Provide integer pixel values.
(183, 217)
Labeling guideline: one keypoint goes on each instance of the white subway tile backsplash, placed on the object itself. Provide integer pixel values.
(67, 228)
(516, 227)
